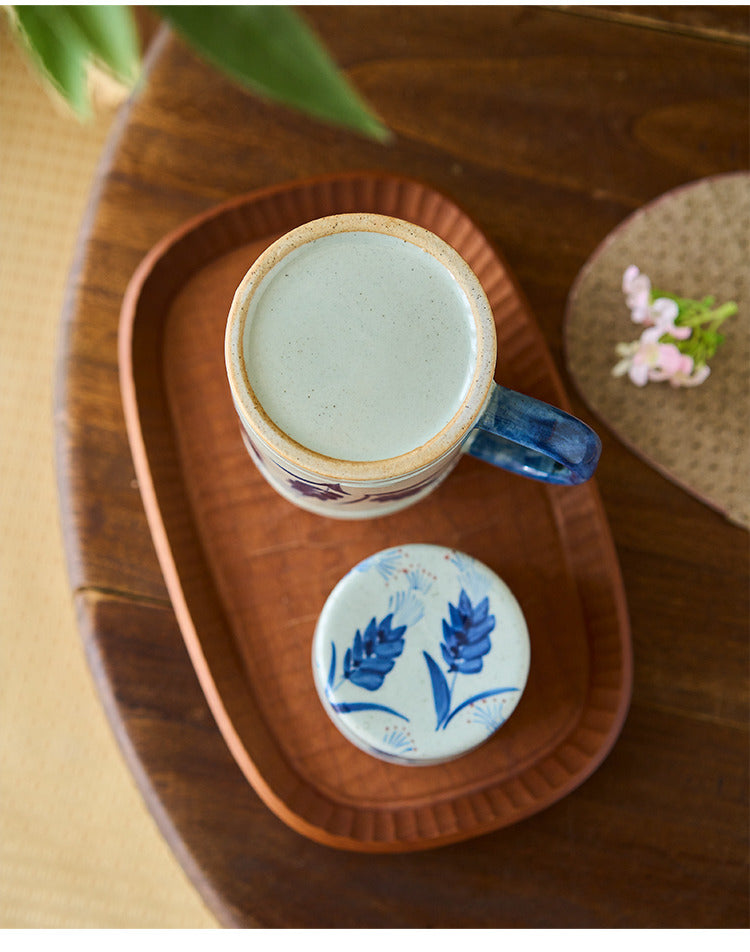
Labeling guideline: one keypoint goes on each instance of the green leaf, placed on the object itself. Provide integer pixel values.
(272, 51)
(112, 37)
(65, 40)
(59, 50)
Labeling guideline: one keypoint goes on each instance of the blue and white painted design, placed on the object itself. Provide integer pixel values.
(410, 675)
(341, 499)
(466, 640)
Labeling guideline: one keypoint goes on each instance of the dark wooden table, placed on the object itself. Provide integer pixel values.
(549, 126)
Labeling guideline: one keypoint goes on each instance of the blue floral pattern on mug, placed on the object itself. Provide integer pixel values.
(348, 500)
(306, 487)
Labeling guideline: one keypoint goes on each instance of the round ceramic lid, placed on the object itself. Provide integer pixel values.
(420, 654)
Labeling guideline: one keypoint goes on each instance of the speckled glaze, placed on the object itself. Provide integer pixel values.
(421, 653)
(357, 330)
(356, 412)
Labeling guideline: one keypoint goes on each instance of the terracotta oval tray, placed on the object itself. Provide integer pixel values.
(248, 573)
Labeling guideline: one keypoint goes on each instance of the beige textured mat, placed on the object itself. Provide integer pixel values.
(77, 845)
(693, 242)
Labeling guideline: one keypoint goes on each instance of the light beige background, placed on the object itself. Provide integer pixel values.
(77, 845)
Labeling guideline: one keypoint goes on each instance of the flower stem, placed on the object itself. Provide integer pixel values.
(722, 313)
(695, 317)
(694, 313)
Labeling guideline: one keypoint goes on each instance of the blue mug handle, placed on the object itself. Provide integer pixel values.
(534, 439)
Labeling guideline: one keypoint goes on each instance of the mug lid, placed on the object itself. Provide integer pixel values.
(420, 654)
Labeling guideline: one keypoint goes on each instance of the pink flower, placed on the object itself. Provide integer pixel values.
(647, 359)
(692, 379)
(658, 354)
(625, 353)
(637, 290)
(661, 313)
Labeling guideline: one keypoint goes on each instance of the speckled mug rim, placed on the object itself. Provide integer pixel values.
(260, 425)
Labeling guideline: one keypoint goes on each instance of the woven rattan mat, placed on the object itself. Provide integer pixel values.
(694, 242)
(78, 849)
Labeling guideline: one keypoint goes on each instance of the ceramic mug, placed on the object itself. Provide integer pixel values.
(360, 351)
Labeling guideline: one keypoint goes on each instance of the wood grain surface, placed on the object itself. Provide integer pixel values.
(549, 127)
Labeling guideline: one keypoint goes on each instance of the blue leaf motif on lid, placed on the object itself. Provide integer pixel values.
(440, 691)
(466, 640)
(373, 654)
(466, 637)
(366, 663)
